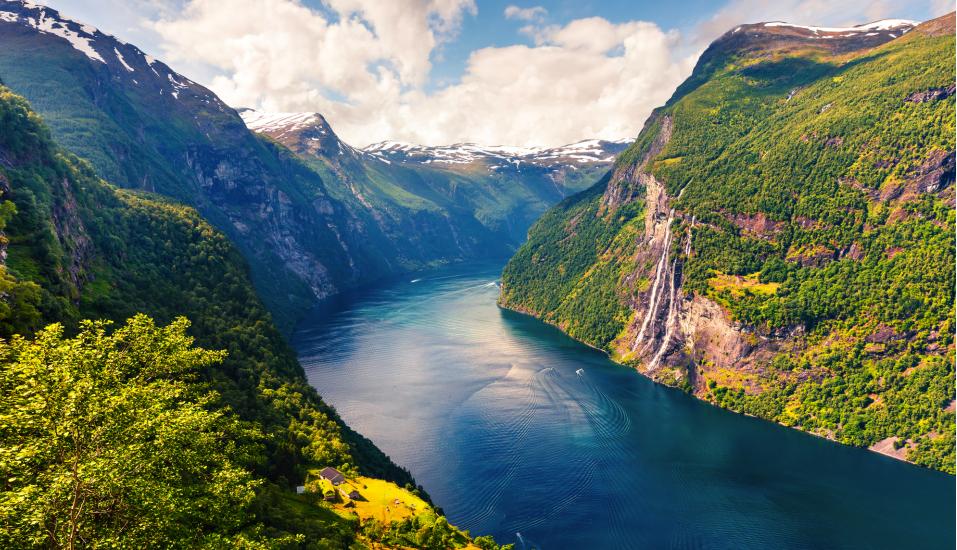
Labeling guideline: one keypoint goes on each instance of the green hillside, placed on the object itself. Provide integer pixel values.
(239, 427)
(806, 272)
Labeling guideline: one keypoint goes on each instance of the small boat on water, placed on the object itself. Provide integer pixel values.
(580, 372)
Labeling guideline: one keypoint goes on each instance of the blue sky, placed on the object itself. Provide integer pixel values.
(443, 71)
(489, 27)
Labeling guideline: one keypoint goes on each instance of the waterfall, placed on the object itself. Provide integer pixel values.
(671, 320)
(661, 272)
(688, 242)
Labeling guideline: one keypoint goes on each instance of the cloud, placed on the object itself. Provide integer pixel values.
(536, 13)
(554, 93)
(365, 69)
(281, 51)
(367, 64)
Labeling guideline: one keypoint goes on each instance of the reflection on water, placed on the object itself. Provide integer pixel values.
(517, 431)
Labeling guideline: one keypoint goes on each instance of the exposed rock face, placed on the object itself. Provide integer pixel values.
(72, 234)
(628, 180)
(247, 193)
(935, 173)
(670, 328)
(933, 94)
(757, 225)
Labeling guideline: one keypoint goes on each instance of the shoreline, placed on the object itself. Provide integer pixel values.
(871, 448)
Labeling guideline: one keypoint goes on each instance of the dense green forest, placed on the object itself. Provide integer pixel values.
(166, 441)
(816, 191)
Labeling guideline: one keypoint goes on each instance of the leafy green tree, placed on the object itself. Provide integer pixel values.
(106, 441)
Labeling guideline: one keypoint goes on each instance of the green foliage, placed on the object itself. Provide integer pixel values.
(567, 271)
(815, 174)
(163, 444)
(106, 441)
(425, 532)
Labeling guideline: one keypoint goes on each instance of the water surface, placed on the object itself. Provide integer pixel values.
(520, 432)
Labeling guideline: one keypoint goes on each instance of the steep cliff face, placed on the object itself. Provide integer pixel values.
(789, 204)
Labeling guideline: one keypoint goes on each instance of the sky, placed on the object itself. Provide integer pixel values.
(537, 73)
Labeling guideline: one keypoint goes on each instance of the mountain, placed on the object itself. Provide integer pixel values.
(144, 126)
(440, 204)
(560, 160)
(779, 238)
(310, 226)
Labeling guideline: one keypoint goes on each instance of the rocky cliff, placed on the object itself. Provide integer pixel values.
(757, 241)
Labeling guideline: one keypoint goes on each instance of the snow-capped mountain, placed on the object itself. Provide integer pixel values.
(124, 61)
(311, 132)
(587, 152)
(464, 198)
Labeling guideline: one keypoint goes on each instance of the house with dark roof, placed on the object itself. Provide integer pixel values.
(332, 475)
(350, 491)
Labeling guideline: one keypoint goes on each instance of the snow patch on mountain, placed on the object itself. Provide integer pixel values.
(500, 156)
(259, 121)
(902, 25)
(119, 57)
(80, 37)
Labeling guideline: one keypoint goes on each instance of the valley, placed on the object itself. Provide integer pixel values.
(223, 325)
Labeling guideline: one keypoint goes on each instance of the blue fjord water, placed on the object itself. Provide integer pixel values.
(520, 432)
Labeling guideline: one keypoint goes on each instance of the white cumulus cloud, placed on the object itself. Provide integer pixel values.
(365, 69)
(535, 13)
(367, 64)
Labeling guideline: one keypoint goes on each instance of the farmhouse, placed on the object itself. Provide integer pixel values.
(332, 475)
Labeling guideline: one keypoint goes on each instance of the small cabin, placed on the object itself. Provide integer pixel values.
(350, 492)
(332, 475)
